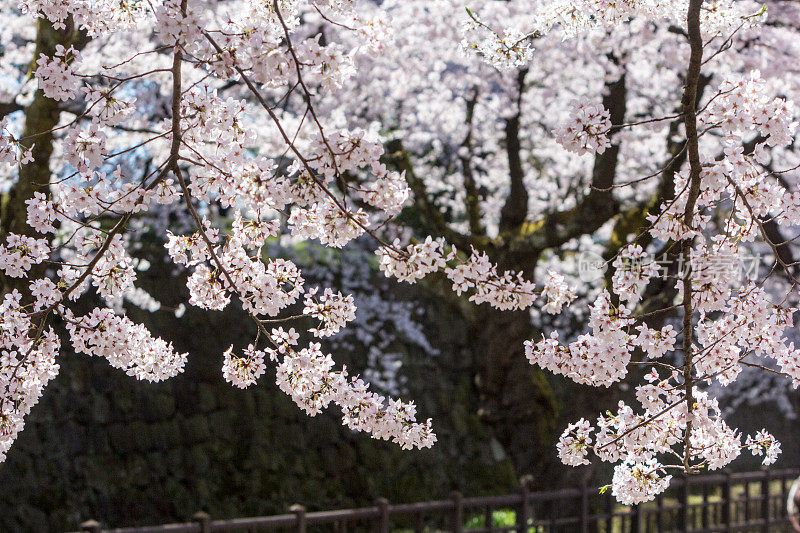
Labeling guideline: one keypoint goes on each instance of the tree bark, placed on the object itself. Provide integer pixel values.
(41, 116)
(516, 401)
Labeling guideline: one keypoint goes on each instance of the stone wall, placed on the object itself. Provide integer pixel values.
(105, 446)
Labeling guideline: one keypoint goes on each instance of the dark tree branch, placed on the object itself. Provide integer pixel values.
(471, 199)
(689, 102)
(660, 292)
(6, 108)
(596, 208)
(432, 217)
(515, 209)
(770, 230)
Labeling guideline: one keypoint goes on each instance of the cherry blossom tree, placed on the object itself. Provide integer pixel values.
(494, 145)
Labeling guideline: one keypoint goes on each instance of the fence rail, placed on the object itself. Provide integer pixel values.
(750, 501)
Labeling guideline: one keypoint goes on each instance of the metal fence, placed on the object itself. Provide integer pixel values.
(751, 501)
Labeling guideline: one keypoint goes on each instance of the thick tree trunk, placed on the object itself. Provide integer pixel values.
(527, 408)
(516, 400)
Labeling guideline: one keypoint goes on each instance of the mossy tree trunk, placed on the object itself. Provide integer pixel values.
(41, 117)
(516, 400)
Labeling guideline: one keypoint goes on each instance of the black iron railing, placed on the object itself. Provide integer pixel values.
(751, 501)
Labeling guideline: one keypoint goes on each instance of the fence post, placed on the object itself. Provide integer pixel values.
(747, 514)
(523, 511)
(727, 498)
(765, 500)
(300, 517)
(683, 496)
(458, 512)
(203, 519)
(383, 515)
(91, 526)
(783, 497)
(636, 518)
(419, 522)
(584, 507)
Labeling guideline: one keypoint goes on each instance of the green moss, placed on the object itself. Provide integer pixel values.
(195, 429)
(206, 398)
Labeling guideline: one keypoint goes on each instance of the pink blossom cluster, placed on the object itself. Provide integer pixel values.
(636, 440)
(58, 75)
(124, 344)
(415, 262)
(744, 105)
(333, 310)
(633, 269)
(11, 153)
(586, 131)
(597, 358)
(20, 253)
(506, 291)
(504, 51)
(245, 370)
(308, 377)
(25, 367)
(556, 292)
